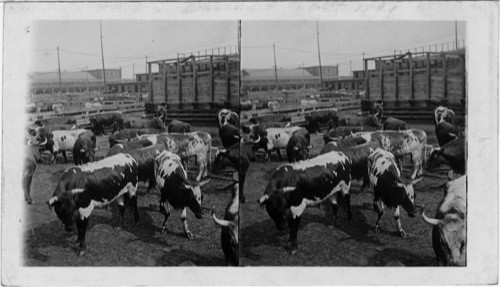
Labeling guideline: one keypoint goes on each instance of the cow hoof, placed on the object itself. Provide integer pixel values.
(189, 235)
(80, 252)
(402, 233)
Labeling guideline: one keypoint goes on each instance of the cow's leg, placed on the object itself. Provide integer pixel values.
(166, 214)
(378, 205)
(27, 178)
(347, 203)
(152, 184)
(54, 156)
(241, 184)
(64, 155)
(81, 225)
(398, 222)
(133, 201)
(184, 222)
(293, 224)
(366, 182)
(417, 164)
(335, 208)
(121, 207)
(279, 154)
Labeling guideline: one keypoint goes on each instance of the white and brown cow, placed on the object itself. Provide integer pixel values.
(295, 186)
(389, 187)
(230, 225)
(83, 188)
(401, 143)
(449, 231)
(174, 186)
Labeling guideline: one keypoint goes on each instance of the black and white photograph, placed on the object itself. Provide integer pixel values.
(123, 115)
(249, 143)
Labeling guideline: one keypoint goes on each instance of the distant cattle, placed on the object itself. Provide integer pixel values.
(177, 126)
(230, 225)
(304, 104)
(155, 123)
(298, 146)
(315, 118)
(270, 118)
(343, 132)
(93, 106)
(370, 121)
(130, 145)
(175, 188)
(126, 135)
(393, 124)
(295, 186)
(389, 188)
(84, 148)
(57, 108)
(101, 121)
(82, 188)
(273, 106)
(449, 231)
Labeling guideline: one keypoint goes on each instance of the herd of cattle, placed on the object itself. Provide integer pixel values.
(146, 151)
(356, 147)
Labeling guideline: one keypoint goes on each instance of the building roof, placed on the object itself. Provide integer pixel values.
(266, 74)
(65, 77)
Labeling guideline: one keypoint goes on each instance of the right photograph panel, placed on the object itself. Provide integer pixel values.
(354, 143)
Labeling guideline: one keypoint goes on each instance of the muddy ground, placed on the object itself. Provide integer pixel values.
(48, 244)
(322, 244)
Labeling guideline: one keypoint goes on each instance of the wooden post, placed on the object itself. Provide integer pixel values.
(462, 65)
(445, 77)
(228, 76)
(194, 79)
(412, 94)
(212, 78)
(165, 76)
(381, 74)
(395, 68)
(179, 80)
(428, 76)
(150, 78)
(367, 88)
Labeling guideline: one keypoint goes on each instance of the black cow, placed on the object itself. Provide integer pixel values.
(270, 118)
(82, 188)
(342, 132)
(444, 114)
(131, 145)
(370, 121)
(226, 116)
(177, 126)
(129, 134)
(452, 153)
(175, 188)
(389, 188)
(295, 186)
(358, 155)
(298, 146)
(315, 118)
(154, 123)
(449, 231)
(99, 121)
(393, 124)
(237, 156)
(32, 155)
(230, 225)
(229, 135)
(446, 132)
(84, 148)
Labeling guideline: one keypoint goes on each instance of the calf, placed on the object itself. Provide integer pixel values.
(31, 157)
(453, 153)
(295, 186)
(172, 180)
(389, 188)
(393, 124)
(358, 155)
(230, 225)
(449, 231)
(177, 126)
(84, 148)
(82, 188)
(298, 146)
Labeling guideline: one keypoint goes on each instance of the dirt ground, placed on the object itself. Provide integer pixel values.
(48, 244)
(322, 244)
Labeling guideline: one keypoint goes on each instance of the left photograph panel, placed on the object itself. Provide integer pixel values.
(131, 144)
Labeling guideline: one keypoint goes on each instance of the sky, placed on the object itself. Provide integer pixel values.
(341, 42)
(125, 43)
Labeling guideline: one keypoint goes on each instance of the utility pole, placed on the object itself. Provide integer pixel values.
(350, 68)
(319, 56)
(275, 69)
(456, 36)
(59, 69)
(133, 70)
(147, 62)
(102, 56)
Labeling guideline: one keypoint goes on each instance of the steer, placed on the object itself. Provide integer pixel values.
(31, 157)
(446, 132)
(230, 225)
(343, 132)
(276, 139)
(82, 188)
(100, 121)
(298, 146)
(126, 146)
(172, 180)
(368, 121)
(129, 134)
(453, 153)
(443, 114)
(389, 187)
(358, 155)
(229, 135)
(393, 124)
(154, 123)
(59, 141)
(315, 118)
(226, 116)
(295, 186)
(84, 148)
(177, 126)
(449, 236)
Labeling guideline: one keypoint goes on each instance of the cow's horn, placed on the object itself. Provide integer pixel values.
(417, 180)
(77, 190)
(204, 182)
(221, 222)
(123, 140)
(52, 201)
(263, 199)
(43, 143)
(431, 221)
(257, 140)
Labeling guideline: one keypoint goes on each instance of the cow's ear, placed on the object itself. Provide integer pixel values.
(263, 199)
